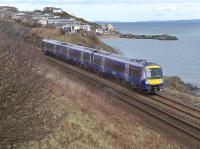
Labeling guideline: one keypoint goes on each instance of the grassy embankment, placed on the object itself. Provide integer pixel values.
(34, 35)
(93, 121)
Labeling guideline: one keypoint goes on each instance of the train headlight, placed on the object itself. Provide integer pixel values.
(161, 81)
(146, 82)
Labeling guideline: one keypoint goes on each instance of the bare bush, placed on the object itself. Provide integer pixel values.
(24, 112)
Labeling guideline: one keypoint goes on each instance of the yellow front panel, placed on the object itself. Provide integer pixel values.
(154, 81)
(153, 66)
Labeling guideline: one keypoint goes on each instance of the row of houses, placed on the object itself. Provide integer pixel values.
(50, 16)
(7, 12)
(47, 16)
(69, 25)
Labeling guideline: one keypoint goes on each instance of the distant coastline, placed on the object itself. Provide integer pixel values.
(153, 21)
(131, 36)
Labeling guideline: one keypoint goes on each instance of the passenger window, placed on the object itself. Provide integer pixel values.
(75, 54)
(97, 60)
(134, 71)
(114, 65)
(86, 57)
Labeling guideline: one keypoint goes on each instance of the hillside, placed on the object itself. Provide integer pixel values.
(53, 109)
(34, 35)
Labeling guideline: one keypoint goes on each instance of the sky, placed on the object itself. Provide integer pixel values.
(118, 10)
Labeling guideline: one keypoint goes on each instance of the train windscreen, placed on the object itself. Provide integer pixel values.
(153, 73)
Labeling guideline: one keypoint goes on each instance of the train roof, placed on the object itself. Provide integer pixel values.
(64, 44)
(135, 62)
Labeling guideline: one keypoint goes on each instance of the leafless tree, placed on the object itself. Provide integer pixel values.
(24, 93)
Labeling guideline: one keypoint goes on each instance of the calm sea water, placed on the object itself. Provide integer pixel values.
(178, 58)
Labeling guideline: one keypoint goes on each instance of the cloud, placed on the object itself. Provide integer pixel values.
(167, 8)
(99, 1)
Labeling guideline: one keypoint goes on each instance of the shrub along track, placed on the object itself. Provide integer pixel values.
(179, 116)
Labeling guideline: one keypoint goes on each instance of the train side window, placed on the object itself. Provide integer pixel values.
(134, 71)
(97, 60)
(75, 54)
(57, 48)
(65, 50)
(86, 57)
(50, 46)
(114, 65)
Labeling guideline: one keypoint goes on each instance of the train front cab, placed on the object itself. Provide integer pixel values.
(153, 79)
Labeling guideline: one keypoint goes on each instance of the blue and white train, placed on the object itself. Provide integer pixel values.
(141, 74)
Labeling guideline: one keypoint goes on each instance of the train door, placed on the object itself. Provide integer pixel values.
(126, 72)
(61, 50)
(134, 76)
(102, 63)
(54, 49)
(92, 59)
(82, 57)
(68, 52)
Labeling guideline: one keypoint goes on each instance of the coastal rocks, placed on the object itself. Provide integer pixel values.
(167, 37)
(157, 37)
(127, 36)
(175, 83)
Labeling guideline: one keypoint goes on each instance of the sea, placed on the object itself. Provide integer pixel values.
(177, 57)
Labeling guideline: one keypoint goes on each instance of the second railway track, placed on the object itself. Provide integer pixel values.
(163, 111)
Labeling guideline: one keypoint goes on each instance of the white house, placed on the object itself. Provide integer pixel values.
(42, 22)
(86, 27)
(58, 21)
(21, 16)
(71, 27)
(108, 27)
(52, 10)
(99, 31)
(57, 10)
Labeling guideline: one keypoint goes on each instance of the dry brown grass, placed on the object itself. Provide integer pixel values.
(94, 122)
(84, 38)
(176, 88)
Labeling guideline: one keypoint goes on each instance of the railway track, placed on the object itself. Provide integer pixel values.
(175, 114)
(178, 105)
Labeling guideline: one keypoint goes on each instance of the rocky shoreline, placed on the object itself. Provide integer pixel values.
(131, 36)
(175, 83)
(157, 37)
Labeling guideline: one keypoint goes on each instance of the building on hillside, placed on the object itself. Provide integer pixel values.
(42, 22)
(52, 10)
(8, 8)
(41, 16)
(86, 27)
(74, 27)
(58, 21)
(71, 27)
(108, 27)
(23, 16)
(7, 12)
(99, 31)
